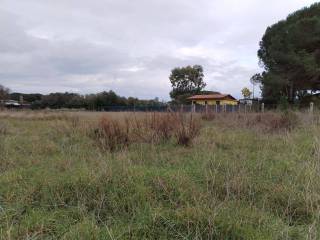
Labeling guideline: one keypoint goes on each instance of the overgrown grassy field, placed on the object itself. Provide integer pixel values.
(159, 176)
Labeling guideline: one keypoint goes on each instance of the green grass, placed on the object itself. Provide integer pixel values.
(235, 182)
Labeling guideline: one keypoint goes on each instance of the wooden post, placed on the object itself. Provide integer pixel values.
(216, 107)
(206, 109)
(245, 108)
(311, 107)
(262, 107)
(181, 108)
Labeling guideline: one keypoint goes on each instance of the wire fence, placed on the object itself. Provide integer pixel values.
(240, 108)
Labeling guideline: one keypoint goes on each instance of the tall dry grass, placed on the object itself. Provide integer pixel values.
(253, 176)
(273, 122)
(154, 128)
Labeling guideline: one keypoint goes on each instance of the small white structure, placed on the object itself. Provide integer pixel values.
(11, 104)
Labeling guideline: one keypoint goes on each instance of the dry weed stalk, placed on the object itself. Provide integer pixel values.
(152, 128)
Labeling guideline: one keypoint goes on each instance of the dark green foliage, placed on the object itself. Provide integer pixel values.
(96, 102)
(186, 81)
(290, 54)
(32, 97)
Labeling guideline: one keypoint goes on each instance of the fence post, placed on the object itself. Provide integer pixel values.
(311, 107)
(181, 109)
(216, 107)
(207, 109)
(262, 107)
(245, 108)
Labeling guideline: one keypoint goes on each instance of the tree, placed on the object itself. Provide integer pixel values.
(246, 93)
(29, 98)
(186, 81)
(290, 53)
(4, 93)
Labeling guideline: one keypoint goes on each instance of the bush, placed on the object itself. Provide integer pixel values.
(155, 127)
(187, 130)
(152, 128)
(111, 135)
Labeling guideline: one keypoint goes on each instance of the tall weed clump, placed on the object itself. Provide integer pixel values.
(111, 135)
(268, 122)
(152, 128)
(287, 120)
(274, 122)
(188, 128)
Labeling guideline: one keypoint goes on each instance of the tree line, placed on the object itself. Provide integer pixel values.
(97, 102)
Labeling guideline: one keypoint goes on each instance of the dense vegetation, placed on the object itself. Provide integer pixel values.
(97, 101)
(290, 54)
(242, 176)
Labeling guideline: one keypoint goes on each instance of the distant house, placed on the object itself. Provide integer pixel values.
(249, 101)
(214, 99)
(11, 104)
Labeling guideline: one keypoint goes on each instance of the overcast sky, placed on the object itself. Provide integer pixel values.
(130, 46)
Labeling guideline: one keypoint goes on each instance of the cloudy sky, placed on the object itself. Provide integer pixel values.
(130, 46)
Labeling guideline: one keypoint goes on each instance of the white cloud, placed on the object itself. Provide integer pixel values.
(131, 46)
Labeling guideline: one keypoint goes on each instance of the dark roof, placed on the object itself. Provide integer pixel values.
(212, 97)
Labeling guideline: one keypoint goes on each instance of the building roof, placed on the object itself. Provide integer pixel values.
(11, 103)
(212, 97)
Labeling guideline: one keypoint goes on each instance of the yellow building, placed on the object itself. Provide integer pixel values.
(214, 99)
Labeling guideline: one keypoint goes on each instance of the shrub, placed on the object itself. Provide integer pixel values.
(152, 128)
(159, 127)
(186, 130)
(155, 127)
(111, 135)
